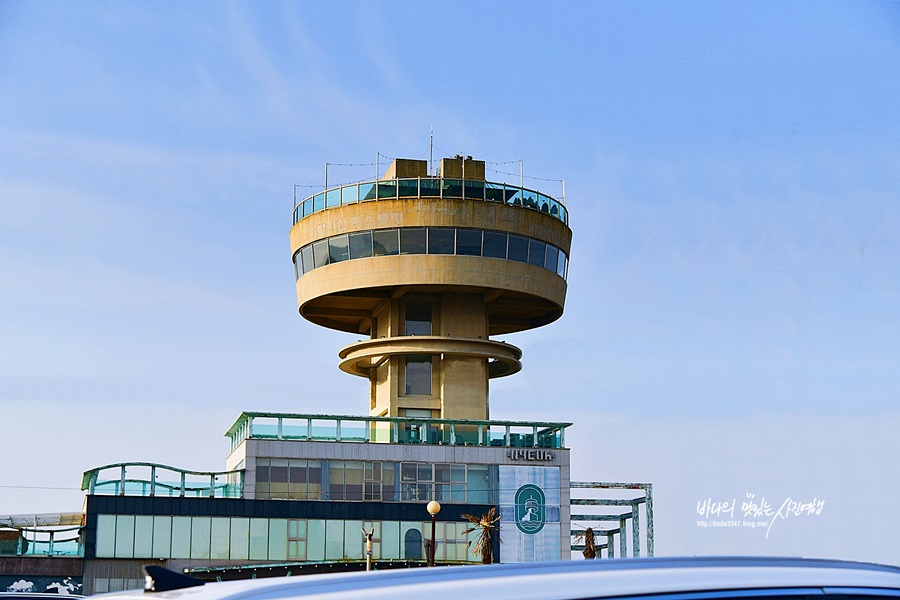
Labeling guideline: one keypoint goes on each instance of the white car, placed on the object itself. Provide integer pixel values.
(634, 579)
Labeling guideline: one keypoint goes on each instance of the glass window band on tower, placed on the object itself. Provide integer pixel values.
(430, 240)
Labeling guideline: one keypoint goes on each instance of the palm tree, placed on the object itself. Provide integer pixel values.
(590, 549)
(484, 542)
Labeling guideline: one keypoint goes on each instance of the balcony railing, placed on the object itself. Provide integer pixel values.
(396, 430)
(431, 188)
(150, 479)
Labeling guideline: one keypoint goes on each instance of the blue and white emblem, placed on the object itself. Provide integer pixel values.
(531, 511)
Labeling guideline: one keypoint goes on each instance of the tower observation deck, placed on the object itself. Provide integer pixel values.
(428, 268)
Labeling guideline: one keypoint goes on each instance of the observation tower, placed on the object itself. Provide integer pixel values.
(427, 271)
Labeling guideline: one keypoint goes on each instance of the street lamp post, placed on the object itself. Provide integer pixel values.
(368, 535)
(433, 508)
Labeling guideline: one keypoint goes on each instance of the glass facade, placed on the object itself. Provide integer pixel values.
(432, 187)
(378, 481)
(272, 540)
(430, 240)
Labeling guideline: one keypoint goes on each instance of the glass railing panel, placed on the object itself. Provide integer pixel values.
(367, 191)
(324, 429)
(451, 188)
(554, 209)
(543, 203)
(168, 482)
(137, 487)
(521, 436)
(69, 547)
(549, 438)
(433, 434)
(466, 435)
(350, 194)
(264, 427)
(387, 190)
(137, 473)
(408, 188)
(381, 432)
(445, 434)
(475, 190)
(233, 491)
(493, 192)
(294, 429)
(529, 199)
(353, 431)
(107, 487)
(513, 195)
(333, 198)
(430, 188)
(410, 433)
(196, 486)
(496, 435)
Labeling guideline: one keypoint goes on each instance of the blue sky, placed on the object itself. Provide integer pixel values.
(732, 173)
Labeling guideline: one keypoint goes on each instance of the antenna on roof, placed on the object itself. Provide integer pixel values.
(431, 152)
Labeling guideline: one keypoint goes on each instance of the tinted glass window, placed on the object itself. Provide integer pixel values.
(552, 258)
(418, 318)
(361, 244)
(386, 242)
(468, 242)
(494, 244)
(307, 255)
(518, 248)
(320, 252)
(536, 253)
(418, 375)
(441, 240)
(412, 240)
(338, 248)
(561, 265)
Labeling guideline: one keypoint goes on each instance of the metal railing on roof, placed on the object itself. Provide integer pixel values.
(431, 188)
(396, 430)
(152, 479)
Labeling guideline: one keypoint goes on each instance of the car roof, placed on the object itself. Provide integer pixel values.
(34, 595)
(560, 580)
